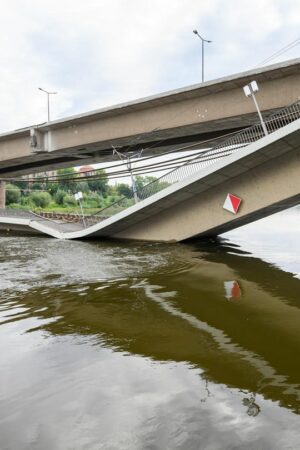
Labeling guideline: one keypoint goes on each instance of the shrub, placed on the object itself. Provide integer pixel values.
(14, 206)
(59, 197)
(13, 194)
(69, 200)
(40, 199)
(92, 200)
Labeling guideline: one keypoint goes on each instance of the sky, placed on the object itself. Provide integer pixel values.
(96, 53)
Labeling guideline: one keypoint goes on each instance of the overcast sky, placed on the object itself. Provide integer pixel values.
(101, 52)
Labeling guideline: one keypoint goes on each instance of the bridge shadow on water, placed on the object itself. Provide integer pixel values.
(210, 305)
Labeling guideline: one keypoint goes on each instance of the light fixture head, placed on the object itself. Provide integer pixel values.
(250, 88)
(195, 31)
(247, 91)
(47, 92)
(254, 86)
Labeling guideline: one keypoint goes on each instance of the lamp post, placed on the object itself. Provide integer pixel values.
(202, 41)
(48, 100)
(249, 91)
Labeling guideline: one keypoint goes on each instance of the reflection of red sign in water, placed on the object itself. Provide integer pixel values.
(232, 289)
(232, 203)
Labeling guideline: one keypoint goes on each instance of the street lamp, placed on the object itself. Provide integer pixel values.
(249, 91)
(48, 100)
(202, 41)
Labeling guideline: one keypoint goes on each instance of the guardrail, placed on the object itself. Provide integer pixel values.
(233, 144)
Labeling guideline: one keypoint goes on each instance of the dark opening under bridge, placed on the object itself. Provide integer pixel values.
(262, 170)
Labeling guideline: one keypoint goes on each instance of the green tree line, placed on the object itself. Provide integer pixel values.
(59, 196)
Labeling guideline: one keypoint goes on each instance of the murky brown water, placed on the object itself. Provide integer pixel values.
(148, 346)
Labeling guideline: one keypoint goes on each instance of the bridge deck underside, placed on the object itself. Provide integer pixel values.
(157, 143)
(159, 123)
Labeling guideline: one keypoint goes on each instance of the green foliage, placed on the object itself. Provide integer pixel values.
(93, 200)
(25, 202)
(157, 185)
(36, 186)
(124, 190)
(52, 188)
(140, 181)
(14, 206)
(21, 184)
(64, 184)
(80, 187)
(59, 197)
(69, 200)
(40, 199)
(100, 185)
(13, 194)
(66, 171)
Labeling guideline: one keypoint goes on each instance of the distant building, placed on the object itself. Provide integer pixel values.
(39, 176)
(86, 171)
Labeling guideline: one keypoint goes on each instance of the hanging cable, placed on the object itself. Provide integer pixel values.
(280, 51)
(62, 177)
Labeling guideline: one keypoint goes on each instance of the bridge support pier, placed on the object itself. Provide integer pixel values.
(2, 194)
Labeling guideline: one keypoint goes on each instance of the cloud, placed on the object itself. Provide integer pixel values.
(103, 52)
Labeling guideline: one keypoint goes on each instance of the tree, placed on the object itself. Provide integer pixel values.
(83, 187)
(64, 184)
(141, 182)
(22, 184)
(99, 185)
(124, 190)
(52, 188)
(13, 194)
(155, 185)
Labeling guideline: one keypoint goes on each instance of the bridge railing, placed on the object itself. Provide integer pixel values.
(207, 157)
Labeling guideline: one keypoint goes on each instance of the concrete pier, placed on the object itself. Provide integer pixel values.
(2, 194)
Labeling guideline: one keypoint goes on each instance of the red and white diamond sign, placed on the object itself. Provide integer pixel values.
(232, 203)
(232, 290)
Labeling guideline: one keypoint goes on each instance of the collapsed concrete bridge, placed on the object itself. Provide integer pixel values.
(263, 171)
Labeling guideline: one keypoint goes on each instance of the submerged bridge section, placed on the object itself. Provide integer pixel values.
(262, 170)
(159, 123)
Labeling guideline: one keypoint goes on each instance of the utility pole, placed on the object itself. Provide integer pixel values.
(128, 161)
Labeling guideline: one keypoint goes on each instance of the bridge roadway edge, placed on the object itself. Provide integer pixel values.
(158, 123)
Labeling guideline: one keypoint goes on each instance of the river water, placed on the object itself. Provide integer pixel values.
(113, 345)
